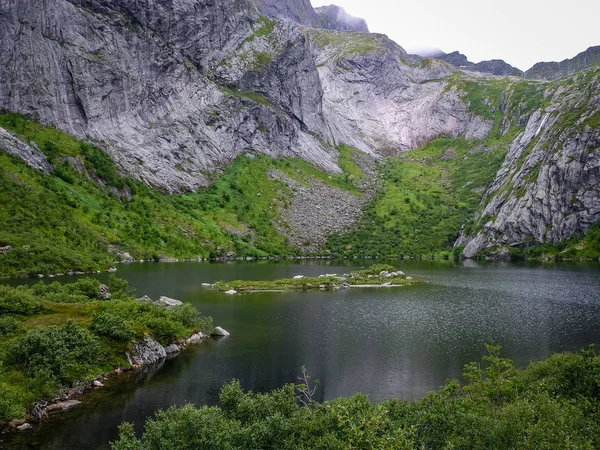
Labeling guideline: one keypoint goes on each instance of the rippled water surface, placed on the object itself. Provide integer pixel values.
(386, 343)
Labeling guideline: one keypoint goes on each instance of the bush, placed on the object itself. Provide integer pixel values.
(190, 317)
(8, 325)
(65, 352)
(112, 327)
(18, 300)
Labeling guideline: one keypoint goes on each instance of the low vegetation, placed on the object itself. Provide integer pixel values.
(376, 275)
(54, 336)
(85, 214)
(427, 195)
(551, 404)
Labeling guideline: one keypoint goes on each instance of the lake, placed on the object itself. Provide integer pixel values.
(400, 342)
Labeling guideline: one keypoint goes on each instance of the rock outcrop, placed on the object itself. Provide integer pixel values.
(554, 70)
(28, 153)
(146, 352)
(300, 11)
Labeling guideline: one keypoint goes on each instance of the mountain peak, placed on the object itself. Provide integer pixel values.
(334, 17)
(554, 70)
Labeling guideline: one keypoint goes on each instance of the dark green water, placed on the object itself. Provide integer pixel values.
(386, 343)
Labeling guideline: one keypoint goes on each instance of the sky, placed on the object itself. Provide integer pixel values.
(521, 32)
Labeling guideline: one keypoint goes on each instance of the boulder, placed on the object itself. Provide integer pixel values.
(218, 331)
(145, 299)
(112, 270)
(25, 426)
(104, 292)
(172, 349)
(206, 285)
(146, 352)
(231, 292)
(196, 338)
(298, 277)
(169, 302)
(15, 423)
(98, 384)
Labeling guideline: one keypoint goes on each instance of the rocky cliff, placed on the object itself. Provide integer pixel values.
(555, 70)
(548, 189)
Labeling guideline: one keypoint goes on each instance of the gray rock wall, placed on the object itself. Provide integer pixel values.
(548, 188)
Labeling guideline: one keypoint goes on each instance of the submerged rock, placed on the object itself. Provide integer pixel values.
(61, 406)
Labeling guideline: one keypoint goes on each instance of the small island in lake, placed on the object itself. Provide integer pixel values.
(378, 275)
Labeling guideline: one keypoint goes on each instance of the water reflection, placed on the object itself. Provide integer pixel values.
(386, 343)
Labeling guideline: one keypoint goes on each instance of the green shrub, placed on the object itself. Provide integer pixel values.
(63, 352)
(112, 327)
(190, 317)
(18, 300)
(8, 325)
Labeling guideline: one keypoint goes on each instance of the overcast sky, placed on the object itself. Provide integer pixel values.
(521, 32)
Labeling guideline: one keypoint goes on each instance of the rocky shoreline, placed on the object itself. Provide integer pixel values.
(144, 353)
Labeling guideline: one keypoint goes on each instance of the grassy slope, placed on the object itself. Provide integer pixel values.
(427, 195)
(69, 219)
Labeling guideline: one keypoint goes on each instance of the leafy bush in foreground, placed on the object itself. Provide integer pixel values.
(552, 404)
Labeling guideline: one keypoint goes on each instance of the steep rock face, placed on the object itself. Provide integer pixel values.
(555, 70)
(132, 78)
(382, 100)
(548, 188)
(333, 17)
(300, 11)
(495, 66)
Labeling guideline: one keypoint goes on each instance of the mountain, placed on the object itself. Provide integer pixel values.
(554, 70)
(494, 66)
(199, 105)
(333, 17)
(171, 102)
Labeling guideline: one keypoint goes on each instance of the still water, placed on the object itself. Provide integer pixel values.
(399, 342)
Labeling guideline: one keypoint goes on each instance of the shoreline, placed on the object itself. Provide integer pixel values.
(75, 395)
(283, 258)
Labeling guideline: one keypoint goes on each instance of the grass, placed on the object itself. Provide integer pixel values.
(347, 43)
